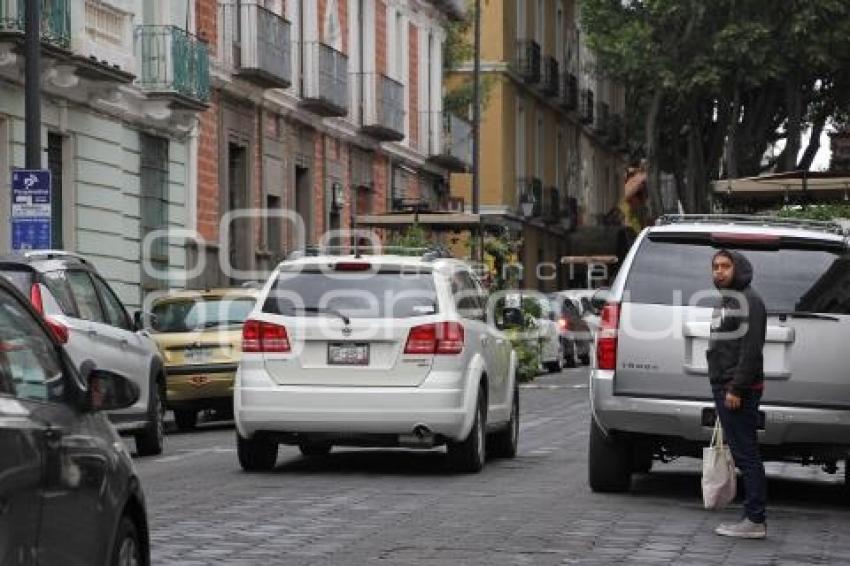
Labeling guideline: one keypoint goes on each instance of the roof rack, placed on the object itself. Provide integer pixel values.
(55, 254)
(748, 220)
(427, 253)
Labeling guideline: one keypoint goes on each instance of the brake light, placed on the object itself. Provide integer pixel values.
(352, 266)
(259, 336)
(435, 338)
(59, 330)
(744, 239)
(35, 298)
(563, 324)
(606, 343)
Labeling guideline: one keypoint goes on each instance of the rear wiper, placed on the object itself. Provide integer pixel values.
(319, 310)
(802, 314)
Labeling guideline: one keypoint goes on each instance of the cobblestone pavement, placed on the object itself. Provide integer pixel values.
(396, 507)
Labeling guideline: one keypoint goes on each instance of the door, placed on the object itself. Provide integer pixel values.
(664, 326)
(129, 351)
(53, 467)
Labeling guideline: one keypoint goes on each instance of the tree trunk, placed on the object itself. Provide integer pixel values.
(813, 146)
(794, 129)
(697, 180)
(653, 177)
(732, 140)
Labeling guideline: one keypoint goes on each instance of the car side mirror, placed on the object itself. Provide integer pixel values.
(109, 391)
(599, 299)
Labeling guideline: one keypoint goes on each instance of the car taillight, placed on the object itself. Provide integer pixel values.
(606, 344)
(435, 338)
(563, 324)
(352, 266)
(59, 330)
(260, 336)
(35, 298)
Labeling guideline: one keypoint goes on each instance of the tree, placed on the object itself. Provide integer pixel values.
(715, 84)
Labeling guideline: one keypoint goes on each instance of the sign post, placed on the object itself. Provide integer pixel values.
(31, 207)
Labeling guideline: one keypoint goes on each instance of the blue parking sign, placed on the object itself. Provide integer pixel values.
(31, 209)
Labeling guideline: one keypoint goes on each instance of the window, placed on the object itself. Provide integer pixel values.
(521, 147)
(521, 26)
(467, 295)
(538, 148)
(191, 314)
(154, 205)
(85, 296)
(30, 367)
(274, 227)
(57, 283)
(400, 47)
(115, 313)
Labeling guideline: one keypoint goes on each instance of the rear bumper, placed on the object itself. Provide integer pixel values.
(196, 384)
(683, 418)
(442, 403)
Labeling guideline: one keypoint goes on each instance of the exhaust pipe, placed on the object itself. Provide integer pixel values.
(421, 437)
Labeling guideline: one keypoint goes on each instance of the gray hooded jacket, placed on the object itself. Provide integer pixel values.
(735, 358)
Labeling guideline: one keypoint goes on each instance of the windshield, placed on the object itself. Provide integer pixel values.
(789, 279)
(187, 315)
(382, 294)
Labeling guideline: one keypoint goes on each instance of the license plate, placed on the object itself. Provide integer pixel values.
(197, 355)
(348, 354)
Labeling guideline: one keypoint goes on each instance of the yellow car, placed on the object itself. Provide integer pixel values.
(200, 336)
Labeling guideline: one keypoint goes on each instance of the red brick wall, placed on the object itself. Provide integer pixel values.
(318, 188)
(342, 16)
(381, 36)
(413, 83)
(208, 158)
(381, 182)
(206, 13)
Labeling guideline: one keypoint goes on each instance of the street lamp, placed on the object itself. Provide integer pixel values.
(527, 205)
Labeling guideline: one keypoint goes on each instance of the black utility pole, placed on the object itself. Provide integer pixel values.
(476, 130)
(32, 84)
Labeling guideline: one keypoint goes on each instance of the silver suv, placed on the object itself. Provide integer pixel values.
(89, 319)
(650, 394)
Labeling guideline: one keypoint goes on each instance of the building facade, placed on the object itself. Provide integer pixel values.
(328, 109)
(552, 136)
(122, 84)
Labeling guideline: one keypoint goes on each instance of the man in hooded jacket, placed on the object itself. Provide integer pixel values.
(736, 371)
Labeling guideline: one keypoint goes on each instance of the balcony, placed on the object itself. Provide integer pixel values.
(55, 22)
(447, 140)
(551, 77)
(568, 98)
(530, 197)
(255, 44)
(174, 66)
(325, 87)
(602, 118)
(383, 107)
(586, 110)
(528, 60)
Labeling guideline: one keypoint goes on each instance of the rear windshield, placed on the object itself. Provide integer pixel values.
(383, 294)
(789, 279)
(198, 314)
(21, 279)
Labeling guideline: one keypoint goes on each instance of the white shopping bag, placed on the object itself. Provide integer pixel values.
(718, 472)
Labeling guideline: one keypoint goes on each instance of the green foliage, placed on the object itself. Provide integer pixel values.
(412, 237)
(527, 353)
(823, 212)
(459, 50)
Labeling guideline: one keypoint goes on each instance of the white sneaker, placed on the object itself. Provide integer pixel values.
(744, 529)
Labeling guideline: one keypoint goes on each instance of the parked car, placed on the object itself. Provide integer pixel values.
(582, 299)
(573, 332)
(200, 336)
(540, 328)
(374, 351)
(651, 397)
(89, 319)
(68, 491)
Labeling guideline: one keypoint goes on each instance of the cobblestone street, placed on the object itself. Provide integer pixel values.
(360, 507)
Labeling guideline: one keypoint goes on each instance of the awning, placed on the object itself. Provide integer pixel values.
(435, 220)
(589, 259)
(818, 185)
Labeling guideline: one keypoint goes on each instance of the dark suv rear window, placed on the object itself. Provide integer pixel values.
(387, 293)
(809, 278)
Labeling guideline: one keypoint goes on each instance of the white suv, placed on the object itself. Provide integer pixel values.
(374, 351)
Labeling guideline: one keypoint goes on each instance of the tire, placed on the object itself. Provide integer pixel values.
(609, 462)
(642, 459)
(150, 441)
(553, 367)
(127, 550)
(585, 358)
(469, 455)
(505, 442)
(258, 454)
(186, 419)
(315, 449)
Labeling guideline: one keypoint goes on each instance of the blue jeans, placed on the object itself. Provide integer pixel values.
(740, 428)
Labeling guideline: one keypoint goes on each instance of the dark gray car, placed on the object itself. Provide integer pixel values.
(68, 491)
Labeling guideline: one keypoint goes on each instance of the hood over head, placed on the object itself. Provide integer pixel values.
(743, 270)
